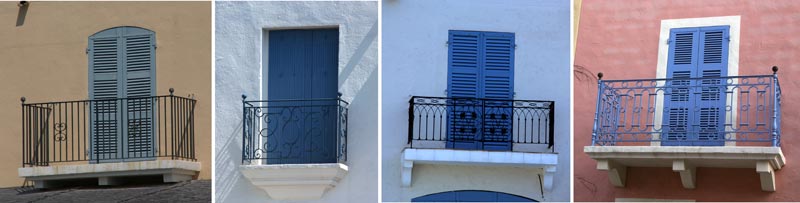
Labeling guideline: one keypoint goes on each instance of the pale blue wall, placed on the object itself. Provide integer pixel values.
(414, 63)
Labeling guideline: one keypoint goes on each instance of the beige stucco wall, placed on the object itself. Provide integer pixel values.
(44, 59)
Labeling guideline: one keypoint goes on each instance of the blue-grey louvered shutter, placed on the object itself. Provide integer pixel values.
(104, 87)
(139, 66)
(122, 78)
(677, 100)
(712, 64)
(498, 87)
(695, 110)
(463, 86)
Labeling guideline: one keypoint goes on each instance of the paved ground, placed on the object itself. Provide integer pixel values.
(189, 191)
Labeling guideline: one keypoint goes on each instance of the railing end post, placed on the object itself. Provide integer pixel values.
(774, 70)
(171, 91)
(22, 99)
(600, 76)
(244, 97)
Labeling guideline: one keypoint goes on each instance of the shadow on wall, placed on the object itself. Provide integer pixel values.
(23, 11)
(226, 164)
(349, 83)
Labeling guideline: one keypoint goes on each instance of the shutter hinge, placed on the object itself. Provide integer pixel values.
(669, 40)
(447, 43)
(87, 50)
(728, 38)
(515, 46)
(445, 91)
(155, 46)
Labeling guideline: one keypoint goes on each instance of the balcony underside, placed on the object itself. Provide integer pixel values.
(546, 161)
(295, 181)
(685, 159)
(110, 173)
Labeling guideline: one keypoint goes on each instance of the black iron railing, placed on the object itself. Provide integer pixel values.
(108, 130)
(704, 111)
(294, 131)
(484, 124)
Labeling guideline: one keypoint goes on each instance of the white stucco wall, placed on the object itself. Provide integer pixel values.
(415, 64)
(239, 28)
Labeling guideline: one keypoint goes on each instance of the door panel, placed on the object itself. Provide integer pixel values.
(695, 109)
(302, 65)
(480, 66)
(122, 65)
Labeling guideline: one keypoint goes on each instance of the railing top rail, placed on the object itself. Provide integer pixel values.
(251, 102)
(694, 78)
(485, 99)
(95, 100)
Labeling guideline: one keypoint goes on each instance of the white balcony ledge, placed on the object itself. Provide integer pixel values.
(109, 173)
(546, 161)
(295, 181)
(685, 159)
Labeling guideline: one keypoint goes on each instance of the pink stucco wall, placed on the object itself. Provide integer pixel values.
(620, 39)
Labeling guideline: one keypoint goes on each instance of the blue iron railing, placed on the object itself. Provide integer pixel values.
(300, 131)
(483, 124)
(714, 111)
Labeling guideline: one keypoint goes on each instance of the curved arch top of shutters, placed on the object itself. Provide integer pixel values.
(122, 81)
(695, 108)
(471, 196)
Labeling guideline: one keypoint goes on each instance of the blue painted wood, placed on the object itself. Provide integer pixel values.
(471, 196)
(695, 109)
(122, 65)
(302, 65)
(480, 65)
(464, 80)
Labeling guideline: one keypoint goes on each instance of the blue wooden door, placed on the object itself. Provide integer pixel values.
(480, 85)
(471, 196)
(694, 113)
(302, 72)
(121, 78)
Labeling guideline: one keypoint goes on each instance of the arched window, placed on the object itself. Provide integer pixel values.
(472, 196)
(121, 65)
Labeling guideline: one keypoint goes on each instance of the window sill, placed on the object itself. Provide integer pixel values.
(295, 181)
(685, 159)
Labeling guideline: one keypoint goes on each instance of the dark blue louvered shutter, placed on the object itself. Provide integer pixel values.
(498, 89)
(712, 64)
(122, 76)
(480, 65)
(104, 77)
(695, 110)
(463, 86)
(139, 65)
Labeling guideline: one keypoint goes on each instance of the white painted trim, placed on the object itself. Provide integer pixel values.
(663, 53)
(547, 161)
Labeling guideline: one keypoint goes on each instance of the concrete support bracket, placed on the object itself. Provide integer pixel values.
(687, 172)
(405, 172)
(767, 175)
(549, 172)
(616, 172)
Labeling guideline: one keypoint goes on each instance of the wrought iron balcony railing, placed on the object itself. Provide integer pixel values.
(108, 130)
(294, 131)
(706, 111)
(482, 124)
